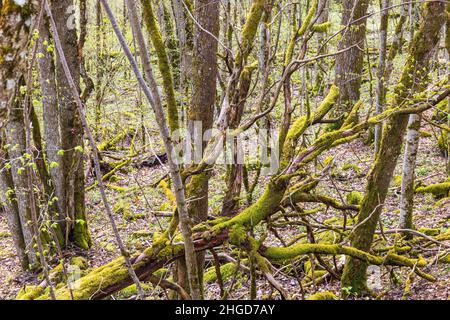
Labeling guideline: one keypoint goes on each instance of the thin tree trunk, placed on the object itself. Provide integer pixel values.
(100, 40)
(88, 82)
(447, 46)
(172, 45)
(164, 65)
(7, 195)
(51, 115)
(71, 130)
(15, 136)
(396, 44)
(381, 87)
(349, 65)
(409, 165)
(14, 182)
(201, 109)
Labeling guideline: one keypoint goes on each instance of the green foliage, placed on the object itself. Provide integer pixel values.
(355, 198)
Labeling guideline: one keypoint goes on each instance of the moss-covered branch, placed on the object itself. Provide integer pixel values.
(289, 253)
(163, 62)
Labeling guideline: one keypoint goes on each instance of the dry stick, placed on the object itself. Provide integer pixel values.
(155, 102)
(218, 272)
(98, 172)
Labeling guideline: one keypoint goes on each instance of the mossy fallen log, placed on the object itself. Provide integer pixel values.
(107, 145)
(112, 277)
(325, 295)
(439, 190)
(292, 252)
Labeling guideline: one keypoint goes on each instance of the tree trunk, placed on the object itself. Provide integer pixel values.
(72, 163)
(349, 65)
(409, 165)
(15, 136)
(51, 116)
(237, 91)
(164, 65)
(7, 196)
(201, 109)
(412, 78)
(14, 182)
(381, 85)
(447, 46)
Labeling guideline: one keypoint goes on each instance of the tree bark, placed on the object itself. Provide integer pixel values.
(381, 84)
(349, 65)
(447, 46)
(49, 93)
(7, 196)
(13, 67)
(73, 202)
(409, 165)
(201, 109)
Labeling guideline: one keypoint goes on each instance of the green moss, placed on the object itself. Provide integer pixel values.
(57, 273)
(97, 279)
(227, 271)
(355, 198)
(140, 234)
(131, 290)
(117, 188)
(303, 28)
(124, 208)
(425, 134)
(328, 236)
(439, 190)
(325, 295)
(430, 231)
(443, 201)
(108, 144)
(237, 235)
(80, 262)
(351, 166)
(307, 22)
(397, 181)
(322, 27)
(81, 236)
(29, 293)
(443, 141)
(9, 7)
(288, 253)
(265, 205)
(163, 62)
(445, 259)
(161, 273)
(249, 30)
(5, 235)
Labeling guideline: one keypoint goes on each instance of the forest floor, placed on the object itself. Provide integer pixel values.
(137, 218)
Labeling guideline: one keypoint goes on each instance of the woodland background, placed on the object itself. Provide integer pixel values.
(93, 206)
